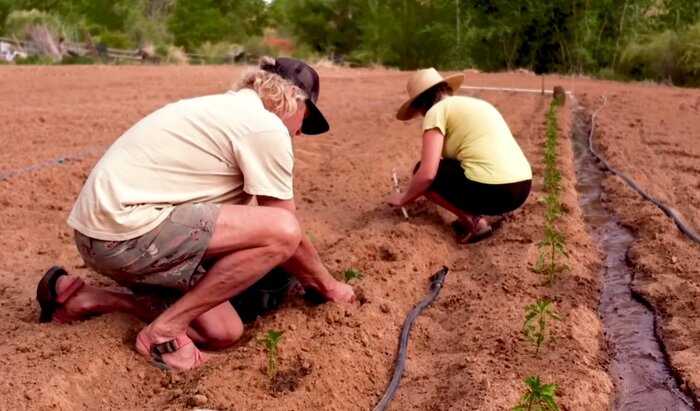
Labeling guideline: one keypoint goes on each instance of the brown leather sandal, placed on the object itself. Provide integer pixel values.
(468, 235)
(49, 300)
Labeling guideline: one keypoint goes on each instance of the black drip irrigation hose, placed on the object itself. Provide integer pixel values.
(49, 163)
(436, 282)
(670, 212)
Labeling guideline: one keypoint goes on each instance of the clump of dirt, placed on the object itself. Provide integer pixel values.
(288, 379)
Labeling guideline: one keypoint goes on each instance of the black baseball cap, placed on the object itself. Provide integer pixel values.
(306, 78)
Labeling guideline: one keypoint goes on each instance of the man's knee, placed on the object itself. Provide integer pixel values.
(287, 234)
(224, 336)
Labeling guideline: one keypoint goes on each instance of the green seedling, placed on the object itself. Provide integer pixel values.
(270, 341)
(538, 397)
(537, 317)
(553, 204)
(352, 274)
(553, 245)
(312, 238)
(551, 248)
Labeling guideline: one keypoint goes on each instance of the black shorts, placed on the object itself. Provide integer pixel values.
(473, 197)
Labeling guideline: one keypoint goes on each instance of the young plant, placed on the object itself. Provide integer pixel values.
(270, 341)
(312, 238)
(352, 274)
(552, 246)
(554, 243)
(538, 397)
(537, 317)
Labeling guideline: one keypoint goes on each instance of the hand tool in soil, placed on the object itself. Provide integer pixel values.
(398, 190)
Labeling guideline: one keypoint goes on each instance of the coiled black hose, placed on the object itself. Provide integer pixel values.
(436, 282)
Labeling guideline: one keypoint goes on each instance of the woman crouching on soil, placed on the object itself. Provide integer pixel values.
(470, 163)
(168, 210)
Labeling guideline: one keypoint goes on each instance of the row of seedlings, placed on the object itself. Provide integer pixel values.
(552, 250)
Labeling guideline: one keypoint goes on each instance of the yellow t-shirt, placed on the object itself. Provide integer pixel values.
(221, 148)
(477, 135)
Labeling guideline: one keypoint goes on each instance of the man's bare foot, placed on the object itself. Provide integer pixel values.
(79, 306)
(90, 301)
(175, 353)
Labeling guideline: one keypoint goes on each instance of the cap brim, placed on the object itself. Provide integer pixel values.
(315, 122)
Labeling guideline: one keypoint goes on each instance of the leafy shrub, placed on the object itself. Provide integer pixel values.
(607, 73)
(114, 39)
(306, 53)
(664, 56)
(34, 60)
(255, 47)
(653, 58)
(142, 28)
(172, 54)
(218, 53)
(19, 23)
(77, 60)
(690, 55)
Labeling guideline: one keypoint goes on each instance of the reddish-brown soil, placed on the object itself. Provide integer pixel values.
(467, 350)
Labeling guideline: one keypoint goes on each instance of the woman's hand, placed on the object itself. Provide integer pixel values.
(395, 199)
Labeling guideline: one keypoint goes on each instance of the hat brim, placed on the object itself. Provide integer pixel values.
(406, 112)
(315, 122)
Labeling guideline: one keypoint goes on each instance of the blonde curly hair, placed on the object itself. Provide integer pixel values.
(278, 95)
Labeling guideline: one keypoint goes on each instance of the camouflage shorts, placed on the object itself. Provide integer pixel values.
(168, 256)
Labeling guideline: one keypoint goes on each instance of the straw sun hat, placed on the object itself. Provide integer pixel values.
(419, 82)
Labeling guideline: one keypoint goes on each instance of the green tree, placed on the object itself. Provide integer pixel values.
(327, 26)
(195, 22)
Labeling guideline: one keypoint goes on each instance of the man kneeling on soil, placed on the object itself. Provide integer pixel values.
(168, 208)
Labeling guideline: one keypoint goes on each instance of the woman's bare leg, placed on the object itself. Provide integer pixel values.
(472, 222)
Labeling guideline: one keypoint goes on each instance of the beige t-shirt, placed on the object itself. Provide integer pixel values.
(221, 148)
(477, 135)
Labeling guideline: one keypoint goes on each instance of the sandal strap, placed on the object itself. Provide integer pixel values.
(170, 346)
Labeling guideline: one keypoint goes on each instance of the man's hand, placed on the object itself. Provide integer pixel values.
(340, 293)
(395, 199)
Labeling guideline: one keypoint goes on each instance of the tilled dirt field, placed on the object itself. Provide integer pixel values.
(467, 350)
(653, 137)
